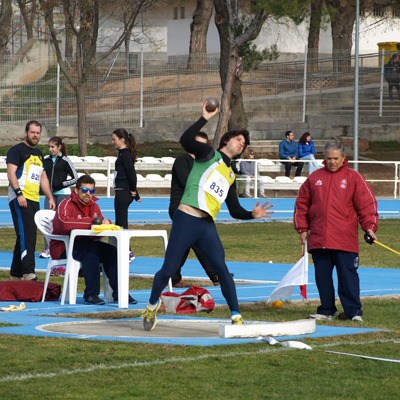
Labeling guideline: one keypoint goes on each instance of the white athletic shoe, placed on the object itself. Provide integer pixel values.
(322, 316)
(45, 253)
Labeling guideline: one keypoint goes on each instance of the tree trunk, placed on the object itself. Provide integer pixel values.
(28, 11)
(313, 35)
(232, 113)
(5, 26)
(198, 35)
(81, 112)
(342, 23)
(127, 50)
(69, 47)
(228, 77)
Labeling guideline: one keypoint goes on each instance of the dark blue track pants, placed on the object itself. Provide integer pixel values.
(186, 231)
(25, 228)
(348, 281)
(91, 253)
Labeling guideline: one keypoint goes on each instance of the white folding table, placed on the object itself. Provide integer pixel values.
(121, 240)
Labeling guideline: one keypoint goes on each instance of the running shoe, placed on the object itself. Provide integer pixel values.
(45, 253)
(237, 320)
(131, 256)
(29, 277)
(150, 317)
(356, 318)
(94, 299)
(322, 316)
(131, 300)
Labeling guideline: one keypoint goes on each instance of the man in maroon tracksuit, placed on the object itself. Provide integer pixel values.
(77, 212)
(329, 206)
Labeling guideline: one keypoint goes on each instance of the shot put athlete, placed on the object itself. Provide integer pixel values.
(210, 183)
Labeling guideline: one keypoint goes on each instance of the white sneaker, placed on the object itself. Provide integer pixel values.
(29, 277)
(45, 253)
(322, 316)
(357, 318)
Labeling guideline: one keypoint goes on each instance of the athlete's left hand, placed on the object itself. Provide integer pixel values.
(261, 211)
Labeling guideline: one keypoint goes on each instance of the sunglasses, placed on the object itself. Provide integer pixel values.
(85, 190)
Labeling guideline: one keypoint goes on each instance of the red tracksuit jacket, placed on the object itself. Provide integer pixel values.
(331, 204)
(72, 214)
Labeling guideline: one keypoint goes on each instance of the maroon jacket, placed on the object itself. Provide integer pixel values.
(72, 214)
(330, 205)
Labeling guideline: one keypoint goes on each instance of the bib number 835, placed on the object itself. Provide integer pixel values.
(216, 189)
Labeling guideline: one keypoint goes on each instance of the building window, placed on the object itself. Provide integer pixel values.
(182, 12)
(175, 12)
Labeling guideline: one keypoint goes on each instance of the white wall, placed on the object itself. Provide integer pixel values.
(178, 37)
(288, 37)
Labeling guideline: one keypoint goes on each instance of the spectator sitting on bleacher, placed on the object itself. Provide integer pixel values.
(307, 152)
(247, 169)
(288, 151)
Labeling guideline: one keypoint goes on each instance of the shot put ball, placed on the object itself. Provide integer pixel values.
(212, 104)
(97, 221)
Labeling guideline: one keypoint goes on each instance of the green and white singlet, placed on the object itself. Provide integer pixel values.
(208, 185)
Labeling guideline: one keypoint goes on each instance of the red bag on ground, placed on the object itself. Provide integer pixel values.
(195, 299)
(28, 291)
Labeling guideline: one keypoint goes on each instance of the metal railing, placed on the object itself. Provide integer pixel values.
(275, 167)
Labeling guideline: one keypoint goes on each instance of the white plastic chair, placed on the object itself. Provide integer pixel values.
(44, 221)
(150, 160)
(267, 179)
(154, 177)
(299, 179)
(167, 160)
(283, 179)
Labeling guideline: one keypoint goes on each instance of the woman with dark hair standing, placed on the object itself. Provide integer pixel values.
(307, 152)
(58, 167)
(124, 177)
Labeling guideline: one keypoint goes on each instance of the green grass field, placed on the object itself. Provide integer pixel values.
(55, 368)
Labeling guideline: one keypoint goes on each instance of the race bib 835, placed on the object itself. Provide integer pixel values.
(217, 186)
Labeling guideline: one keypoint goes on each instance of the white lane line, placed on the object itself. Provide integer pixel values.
(12, 378)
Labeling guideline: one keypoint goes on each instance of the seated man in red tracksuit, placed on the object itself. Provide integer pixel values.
(77, 212)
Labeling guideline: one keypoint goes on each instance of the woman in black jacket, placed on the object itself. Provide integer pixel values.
(58, 168)
(124, 177)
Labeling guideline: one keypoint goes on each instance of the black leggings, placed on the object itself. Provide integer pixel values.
(186, 231)
(122, 201)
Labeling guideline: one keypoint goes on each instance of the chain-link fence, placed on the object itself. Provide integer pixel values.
(157, 87)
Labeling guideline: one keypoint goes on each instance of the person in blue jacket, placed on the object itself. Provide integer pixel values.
(288, 151)
(307, 152)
